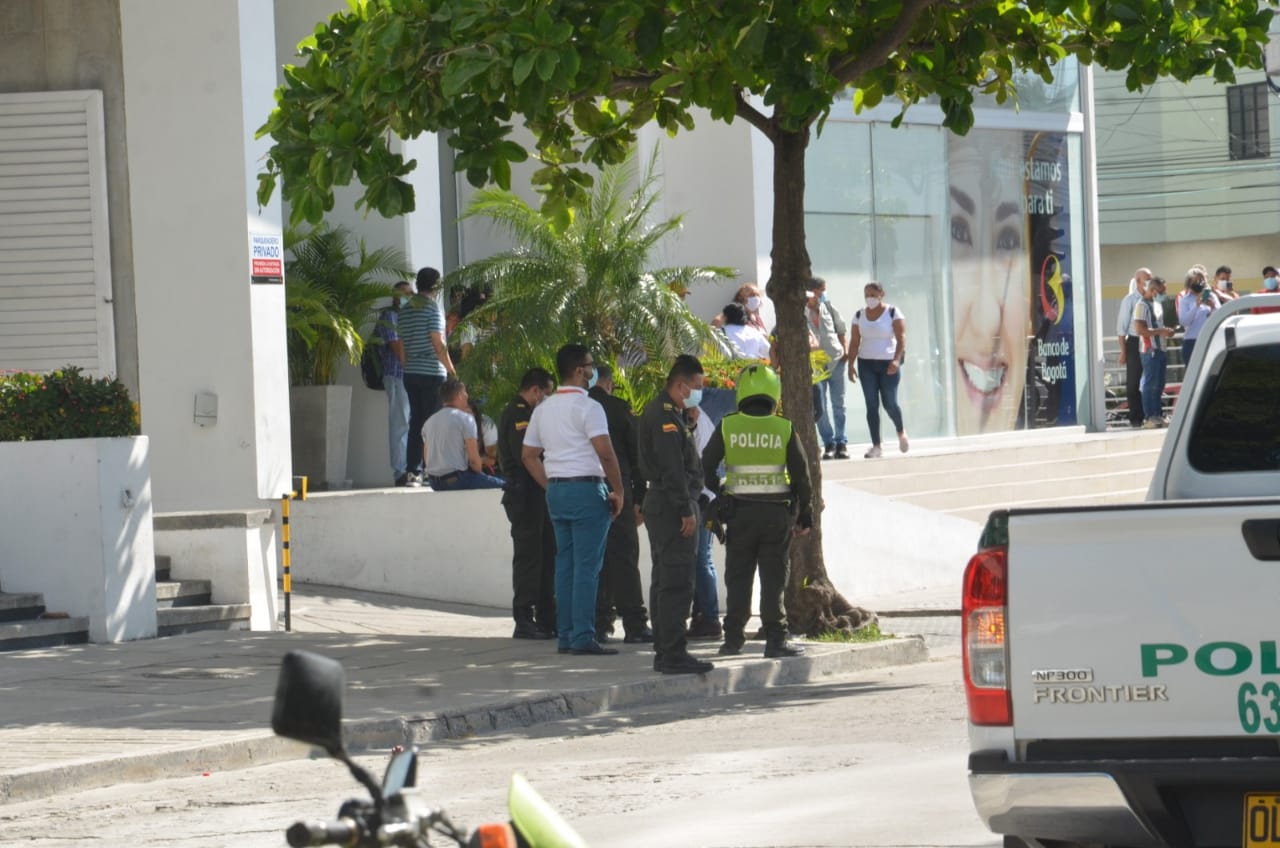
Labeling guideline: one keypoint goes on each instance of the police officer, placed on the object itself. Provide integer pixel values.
(533, 541)
(669, 458)
(765, 498)
(620, 587)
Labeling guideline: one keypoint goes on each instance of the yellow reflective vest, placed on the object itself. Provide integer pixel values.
(755, 454)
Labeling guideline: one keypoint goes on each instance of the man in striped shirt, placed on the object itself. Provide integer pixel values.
(426, 363)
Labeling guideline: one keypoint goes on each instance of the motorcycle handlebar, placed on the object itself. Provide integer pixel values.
(340, 832)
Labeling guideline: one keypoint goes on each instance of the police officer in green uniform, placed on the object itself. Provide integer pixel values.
(533, 540)
(620, 588)
(669, 458)
(765, 499)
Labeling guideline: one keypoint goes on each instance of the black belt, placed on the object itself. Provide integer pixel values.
(447, 478)
(575, 479)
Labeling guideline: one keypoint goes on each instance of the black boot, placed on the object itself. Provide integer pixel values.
(681, 664)
(776, 646)
(732, 646)
(526, 628)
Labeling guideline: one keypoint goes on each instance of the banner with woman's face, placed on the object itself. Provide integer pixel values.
(1007, 196)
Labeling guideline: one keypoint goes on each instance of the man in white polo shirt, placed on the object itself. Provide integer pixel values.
(568, 452)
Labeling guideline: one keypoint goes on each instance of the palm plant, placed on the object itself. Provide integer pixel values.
(587, 283)
(330, 293)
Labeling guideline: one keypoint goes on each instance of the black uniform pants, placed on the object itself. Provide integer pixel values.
(1133, 379)
(620, 578)
(533, 555)
(671, 584)
(758, 535)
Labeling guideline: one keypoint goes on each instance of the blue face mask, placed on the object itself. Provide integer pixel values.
(694, 398)
(591, 382)
(1271, 283)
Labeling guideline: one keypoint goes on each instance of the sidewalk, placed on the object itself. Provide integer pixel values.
(94, 715)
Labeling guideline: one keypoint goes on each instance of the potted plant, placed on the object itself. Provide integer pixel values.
(333, 283)
(589, 282)
(76, 491)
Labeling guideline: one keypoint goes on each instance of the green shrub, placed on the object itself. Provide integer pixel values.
(64, 405)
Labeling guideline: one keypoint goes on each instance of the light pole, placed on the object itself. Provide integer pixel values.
(1271, 64)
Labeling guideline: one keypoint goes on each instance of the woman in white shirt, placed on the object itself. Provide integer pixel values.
(879, 335)
(749, 342)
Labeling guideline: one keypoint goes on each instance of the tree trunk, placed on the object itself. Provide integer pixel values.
(814, 605)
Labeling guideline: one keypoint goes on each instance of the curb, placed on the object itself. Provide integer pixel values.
(257, 749)
(921, 612)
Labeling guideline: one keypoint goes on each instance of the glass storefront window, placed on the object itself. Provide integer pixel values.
(977, 240)
(877, 213)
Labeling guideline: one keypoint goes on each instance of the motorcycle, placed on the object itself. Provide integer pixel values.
(308, 708)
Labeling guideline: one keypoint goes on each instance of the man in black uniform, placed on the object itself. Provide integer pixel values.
(533, 542)
(669, 458)
(766, 498)
(620, 579)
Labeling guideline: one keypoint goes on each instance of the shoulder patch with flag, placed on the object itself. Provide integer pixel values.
(520, 425)
(670, 428)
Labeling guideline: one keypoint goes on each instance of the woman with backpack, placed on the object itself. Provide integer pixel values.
(878, 335)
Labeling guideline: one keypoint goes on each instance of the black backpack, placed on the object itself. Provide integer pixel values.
(371, 365)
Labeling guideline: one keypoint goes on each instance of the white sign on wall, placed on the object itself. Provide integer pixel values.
(266, 258)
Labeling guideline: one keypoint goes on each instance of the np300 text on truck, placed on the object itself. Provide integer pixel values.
(1122, 664)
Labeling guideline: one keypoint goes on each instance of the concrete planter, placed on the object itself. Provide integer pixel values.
(321, 428)
(78, 519)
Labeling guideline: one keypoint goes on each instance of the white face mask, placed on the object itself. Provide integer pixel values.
(873, 302)
(753, 304)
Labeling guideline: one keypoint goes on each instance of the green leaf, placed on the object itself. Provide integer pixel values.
(501, 169)
(523, 67)
(546, 64)
(461, 70)
(392, 35)
(347, 132)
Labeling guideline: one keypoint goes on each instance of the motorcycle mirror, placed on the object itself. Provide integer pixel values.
(401, 773)
(308, 705)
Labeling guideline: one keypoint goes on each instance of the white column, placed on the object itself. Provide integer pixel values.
(198, 80)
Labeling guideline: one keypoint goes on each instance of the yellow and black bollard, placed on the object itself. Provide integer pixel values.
(286, 558)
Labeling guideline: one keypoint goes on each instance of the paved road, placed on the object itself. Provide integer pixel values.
(873, 759)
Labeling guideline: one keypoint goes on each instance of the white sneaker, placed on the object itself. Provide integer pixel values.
(903, 444)
(874, 453)
(1150, 424)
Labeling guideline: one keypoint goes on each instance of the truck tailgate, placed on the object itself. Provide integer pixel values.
(1146, 621)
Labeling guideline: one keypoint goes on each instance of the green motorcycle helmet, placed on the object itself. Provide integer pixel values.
(759, 381)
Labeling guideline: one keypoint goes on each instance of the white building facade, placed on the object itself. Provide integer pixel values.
(986, 243)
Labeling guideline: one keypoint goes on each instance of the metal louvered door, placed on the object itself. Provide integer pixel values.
(55, 262)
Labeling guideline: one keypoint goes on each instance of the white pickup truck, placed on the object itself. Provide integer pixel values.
(1122, 663)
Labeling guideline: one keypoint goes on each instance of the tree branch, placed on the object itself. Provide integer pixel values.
(625, 85)
(850, 68)
(754, 116)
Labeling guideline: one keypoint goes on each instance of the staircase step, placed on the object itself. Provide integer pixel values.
(175, 620)
(43, 633)
(164, 563)
(183, 593)
(19, 606)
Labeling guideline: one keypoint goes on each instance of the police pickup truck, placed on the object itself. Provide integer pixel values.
(1122, 663)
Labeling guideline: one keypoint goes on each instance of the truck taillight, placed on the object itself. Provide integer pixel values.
(984, 636)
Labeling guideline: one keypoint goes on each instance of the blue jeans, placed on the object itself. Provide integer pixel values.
(878, 385)
(397, 422)
(468, 479)
(706, 602)
(1154, 363)
(580, 516)
(832, 390)
(1188, 345)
